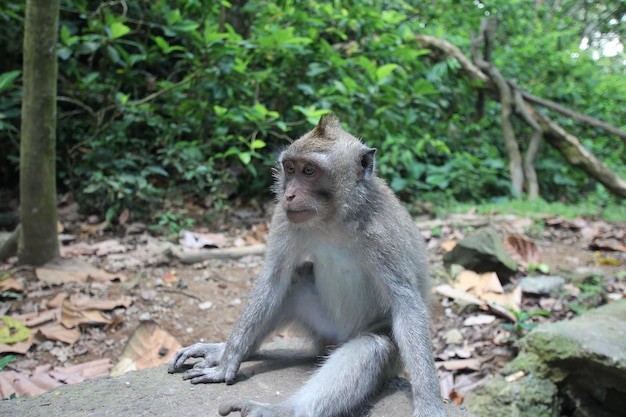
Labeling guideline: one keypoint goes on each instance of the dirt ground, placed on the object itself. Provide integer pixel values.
(201, 302)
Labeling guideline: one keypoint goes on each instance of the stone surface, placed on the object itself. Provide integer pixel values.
(542, 285)
(154, 392)
(482, 251)
(584, 357)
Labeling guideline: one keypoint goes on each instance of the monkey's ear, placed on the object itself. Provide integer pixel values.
(368, 163)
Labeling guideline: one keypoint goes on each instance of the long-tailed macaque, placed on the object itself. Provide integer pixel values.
(346, 264)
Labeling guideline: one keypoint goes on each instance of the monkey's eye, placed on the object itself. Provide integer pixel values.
(289, 168)
(308, 170)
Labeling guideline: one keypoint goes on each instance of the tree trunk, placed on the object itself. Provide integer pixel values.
(530, 175)
(38, 242)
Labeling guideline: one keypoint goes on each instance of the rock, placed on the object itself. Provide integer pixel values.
(454, 337)
(529, 396)
(542, 285)
(584, 357)
(482, 251)
(272, 377)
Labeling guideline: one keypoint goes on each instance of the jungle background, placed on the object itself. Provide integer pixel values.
(162, 103)
(169, 115)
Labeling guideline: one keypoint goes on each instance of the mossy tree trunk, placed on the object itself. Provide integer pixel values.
(38, 242)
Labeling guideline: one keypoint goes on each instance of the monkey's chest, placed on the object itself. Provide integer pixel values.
(343, 291)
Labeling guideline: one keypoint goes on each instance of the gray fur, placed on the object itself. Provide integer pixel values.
(354, 276)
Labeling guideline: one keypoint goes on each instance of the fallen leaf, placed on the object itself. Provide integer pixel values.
(478, 284)
(511, 299)
(479, 320)
(449, 245)
(108, 246)
(56, 331)
(149, 346)
(487, 288)
(62, 271)
(457, 294)
(37, 318)
(19, 347)
(82, 371)
(84, 302)
(42, 379)
(202, 240)
(523, 250)
(12, 331)
(13, 284)
(72, 317)
(57, 300)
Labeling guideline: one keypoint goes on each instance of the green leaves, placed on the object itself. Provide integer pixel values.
(384, 71)
(268, 72)
(117, 30)
(7, 78)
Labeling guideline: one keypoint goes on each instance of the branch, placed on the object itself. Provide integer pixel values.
(445, 47)
(576, 154)
(567, 144)
(575, 115)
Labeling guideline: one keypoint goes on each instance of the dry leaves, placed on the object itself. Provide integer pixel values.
(481, 289)
(149, 346)
(63, 271)
(523, 250)
(44, 378)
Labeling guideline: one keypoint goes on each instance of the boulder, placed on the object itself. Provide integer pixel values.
(575, 367)
(271, 377)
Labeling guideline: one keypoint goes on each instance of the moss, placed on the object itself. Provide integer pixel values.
(529, 396)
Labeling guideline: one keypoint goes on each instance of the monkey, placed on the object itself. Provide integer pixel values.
(344, 263)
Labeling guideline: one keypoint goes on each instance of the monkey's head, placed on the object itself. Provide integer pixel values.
(323, 173)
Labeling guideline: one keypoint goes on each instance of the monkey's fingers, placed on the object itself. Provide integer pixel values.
(209, 351)
(205, 375)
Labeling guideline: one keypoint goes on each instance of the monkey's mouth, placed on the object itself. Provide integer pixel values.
(299, 216)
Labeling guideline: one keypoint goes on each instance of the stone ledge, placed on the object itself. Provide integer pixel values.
(278, 372)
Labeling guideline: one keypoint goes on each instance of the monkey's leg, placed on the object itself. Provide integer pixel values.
(347, 378)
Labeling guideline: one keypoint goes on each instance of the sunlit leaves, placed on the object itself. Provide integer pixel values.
(118, 29)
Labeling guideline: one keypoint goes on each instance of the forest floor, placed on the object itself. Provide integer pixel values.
(80, 315)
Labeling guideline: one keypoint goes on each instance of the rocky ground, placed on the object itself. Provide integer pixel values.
(201, 301)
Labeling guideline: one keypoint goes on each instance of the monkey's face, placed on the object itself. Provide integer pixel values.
(306, 193)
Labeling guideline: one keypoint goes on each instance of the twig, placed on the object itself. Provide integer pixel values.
(195, 297)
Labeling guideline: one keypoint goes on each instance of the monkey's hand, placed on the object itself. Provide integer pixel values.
(254, 409)
(211, 352)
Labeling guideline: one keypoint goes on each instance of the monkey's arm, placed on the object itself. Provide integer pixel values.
(261, 315)
(411, 332)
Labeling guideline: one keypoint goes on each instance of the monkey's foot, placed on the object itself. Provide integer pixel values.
(254, 409)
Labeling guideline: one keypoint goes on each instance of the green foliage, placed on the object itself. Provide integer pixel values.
(590, 295)
(4, 361)
(522, 324)
(191, 99)
(172, 221)
(613, 211)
